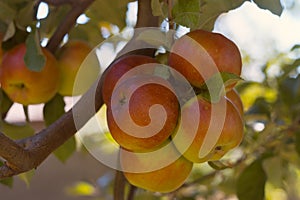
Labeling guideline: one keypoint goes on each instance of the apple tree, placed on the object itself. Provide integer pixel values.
(256, 151)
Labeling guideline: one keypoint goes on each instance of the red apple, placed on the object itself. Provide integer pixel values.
(200, 54)
(25, 86)
(120, 67)
(143, 113)
(220, 129)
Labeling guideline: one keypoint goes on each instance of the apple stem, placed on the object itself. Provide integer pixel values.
(25, 108)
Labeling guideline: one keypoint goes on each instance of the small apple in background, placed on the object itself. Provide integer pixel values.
(190, 144)
(70, 58)
(118, 68)
(165, 178)
(25, 86)
(206, 51)
(142, 116)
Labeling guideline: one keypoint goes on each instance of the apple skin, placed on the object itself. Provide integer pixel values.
(203, 50)
(157, 124)
(70, 58)
(234, 97)
(231, 131)
(165, 179)
(120, 67)
(25, 86)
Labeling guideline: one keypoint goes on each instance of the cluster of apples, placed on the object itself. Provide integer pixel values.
(144, 115)
(58, 74)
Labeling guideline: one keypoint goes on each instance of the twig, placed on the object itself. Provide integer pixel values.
(131, 193)
(78, 7)
(119, 186)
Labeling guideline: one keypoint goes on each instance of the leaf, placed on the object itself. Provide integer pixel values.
(114, 13)
(25, 16)
(197, 14)
(297, 138)
(5, 102)
(218, 165)
(272, 5)
(290, 90)
(26, 177)
(16, 131)
(215, 86)
(7, 13)
(156, 38)
(159, 8)
(34, 57)
(53, 109)
(66, 150)
(251, 182)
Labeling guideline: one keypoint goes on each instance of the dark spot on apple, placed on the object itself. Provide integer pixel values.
(18, 85)
(218, 148)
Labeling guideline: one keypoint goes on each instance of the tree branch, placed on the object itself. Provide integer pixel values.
(78, 7)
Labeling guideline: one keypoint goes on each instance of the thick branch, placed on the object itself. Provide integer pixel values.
(78, 7)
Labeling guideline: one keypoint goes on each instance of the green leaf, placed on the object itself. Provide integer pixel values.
(215, 86)
(26, 177)
(25, 16)
(251, 182)
(272, 5)
(156, 38)
(34, 57)
(290, 90)
(66, 150)
(159, 8)
(7, 181)
(197, 14)
(218, 165)
(297, 138)
(7, 13)
(53, 109)
(16, 131)
(5, 102)
(114, 13)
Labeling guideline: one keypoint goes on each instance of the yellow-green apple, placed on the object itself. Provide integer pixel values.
(220, 129)
(161, 172)
(234, 97)
(143, 113)
(70, 58)
(120, 67)
(25, 86)
(200, 54)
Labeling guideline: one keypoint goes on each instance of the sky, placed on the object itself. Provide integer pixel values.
(261, 34)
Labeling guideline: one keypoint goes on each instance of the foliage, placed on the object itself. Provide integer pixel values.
(268, 158)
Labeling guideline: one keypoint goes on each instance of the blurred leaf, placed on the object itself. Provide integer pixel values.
(290, 90)
(66, 150)
(7, 13)
(297, 136)
(272, 5)
(251, 182)
(260, 107)
(25, 16)
(159, 8)
(81, 189)
(5, 102)
(53, 109)
(274, 168)
(114, 13)
(16, 131)
(201, 13)
(34, 57)
(26, 177)
(218, 165)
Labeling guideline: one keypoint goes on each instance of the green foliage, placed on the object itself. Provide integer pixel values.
(66, 150)
(251, 183)
(54, 109)
(274, 6)
(34, 57)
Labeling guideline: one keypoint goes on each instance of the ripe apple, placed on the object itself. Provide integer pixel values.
(70, 58)
(165, 177)
(234, 97)
(1, 50)
(118, 68)
(25, 86)
(143, 113)
(220, 122)
(200, 54)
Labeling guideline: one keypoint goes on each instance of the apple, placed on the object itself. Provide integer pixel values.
(120, 67)
(220, 122)
(70, 58)
(25, 86)
(234, 97)
(153, 172)
(143, 113)
(200, 54)
(1, 50)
